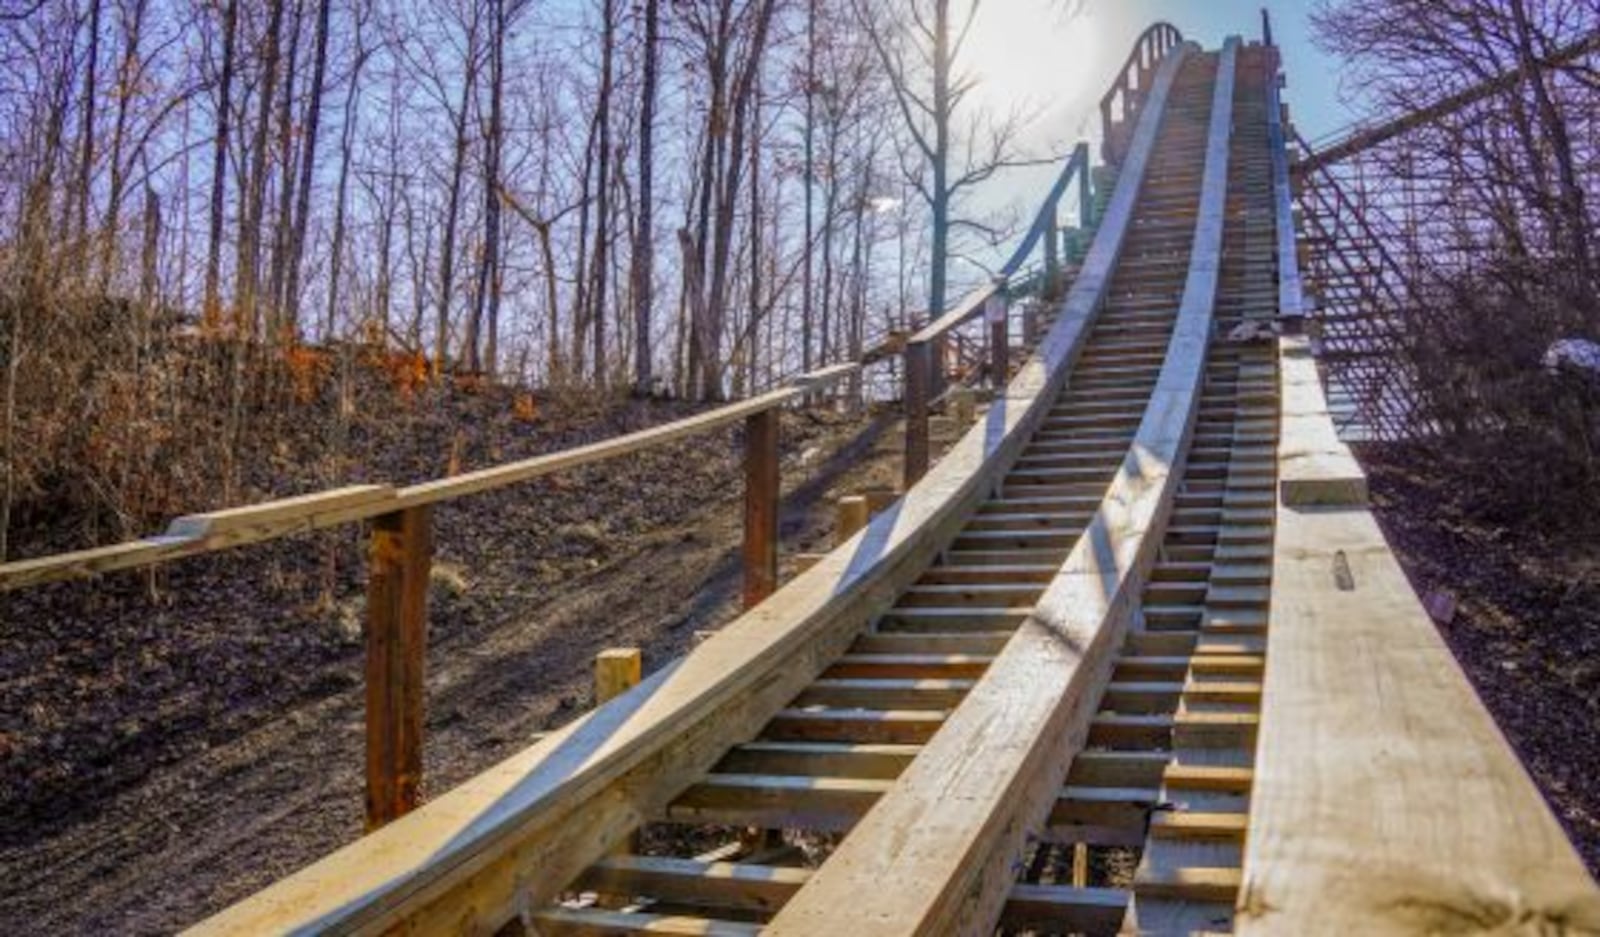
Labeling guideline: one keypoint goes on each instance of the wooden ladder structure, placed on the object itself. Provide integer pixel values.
(1132, 657)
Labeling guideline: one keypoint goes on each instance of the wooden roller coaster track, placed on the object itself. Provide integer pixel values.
(1133, 656)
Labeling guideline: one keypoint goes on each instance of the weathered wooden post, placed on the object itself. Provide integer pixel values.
(998, 315)
(852, 514)
(918, 368)
(1030, 322)
(397, 635)
(1085, 188)
(760, 506)
(1052, 251)
(616, 671)
(963, 407)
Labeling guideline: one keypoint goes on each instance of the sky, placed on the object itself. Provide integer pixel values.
(1051, 60)
(1058, 55)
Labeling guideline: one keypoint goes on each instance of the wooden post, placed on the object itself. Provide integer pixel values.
(760, 506)
(397, 634)
(918, 368)
(964, 406)
(1085, 189)
(616, 671)
(1107, 148)
(853, 513)
(1052, 254)
(999, 335)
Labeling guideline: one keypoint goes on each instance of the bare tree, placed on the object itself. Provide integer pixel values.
(919, 44)
(642, 277)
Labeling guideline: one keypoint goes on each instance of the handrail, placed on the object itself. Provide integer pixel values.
(195, 534)
(401, 558)
(922, 374)
(1291, 304)
(1148, 50)
(1044, 224)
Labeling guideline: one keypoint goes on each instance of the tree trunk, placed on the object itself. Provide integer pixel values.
(86, 140)
(602, 226)
(125, 95)
(810, 186)
(308, 158)
(341, 197)
(247, 276)
(487, 304)
(281, 323)
(212, 313)
(717, 301)
(643, 260)
(941, 160)
(447, 249)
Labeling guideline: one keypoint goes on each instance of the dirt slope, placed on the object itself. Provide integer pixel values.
(1526, 625)
(163, 757)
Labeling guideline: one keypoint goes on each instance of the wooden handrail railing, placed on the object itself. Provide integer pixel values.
(1131, 84)
(924, 375)
(400, 560)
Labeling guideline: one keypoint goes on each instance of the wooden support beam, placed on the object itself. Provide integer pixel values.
(999, 317)
(396, 638)
(919, 375)
(1052, 254)
(761, 481)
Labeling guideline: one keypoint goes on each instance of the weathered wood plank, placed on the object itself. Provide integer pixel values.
(1385, 800)
(195, 534)
(396, 649)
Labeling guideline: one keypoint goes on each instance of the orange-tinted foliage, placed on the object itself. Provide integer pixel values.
(525, 408)
(308, 369)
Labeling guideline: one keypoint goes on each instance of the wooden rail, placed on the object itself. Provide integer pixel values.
(1121, 104)
(958, 817)
(400, 560)
(1291, 294)
(1385, 799)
